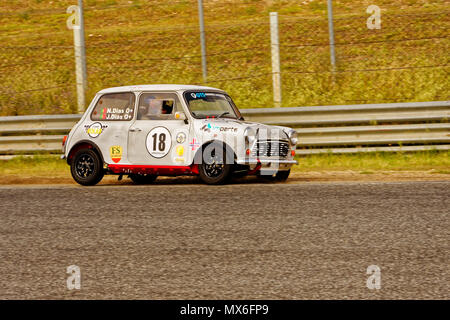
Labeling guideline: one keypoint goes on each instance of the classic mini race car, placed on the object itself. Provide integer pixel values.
(167, 130)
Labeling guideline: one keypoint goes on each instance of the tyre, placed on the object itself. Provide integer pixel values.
(87, 167)
(213, 168)
(282, 175)
(143, 178)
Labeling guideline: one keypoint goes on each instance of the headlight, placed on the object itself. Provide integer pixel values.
(292, 134)
(250, 135)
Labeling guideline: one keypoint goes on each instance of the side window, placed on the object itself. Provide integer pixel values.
(114, 107)
(158, 106)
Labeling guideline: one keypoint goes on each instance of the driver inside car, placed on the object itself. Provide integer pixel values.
(167, 107)
(153, 108)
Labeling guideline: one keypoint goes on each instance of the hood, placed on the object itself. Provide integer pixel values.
(237, 127)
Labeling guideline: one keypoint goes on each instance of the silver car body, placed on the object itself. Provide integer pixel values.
(125, 142)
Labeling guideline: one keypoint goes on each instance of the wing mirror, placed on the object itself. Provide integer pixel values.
(181, 116)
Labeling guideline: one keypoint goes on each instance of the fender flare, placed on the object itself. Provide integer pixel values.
(84, 144)
(199, 153)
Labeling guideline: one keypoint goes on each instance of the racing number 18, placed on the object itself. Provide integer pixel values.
(162, 141)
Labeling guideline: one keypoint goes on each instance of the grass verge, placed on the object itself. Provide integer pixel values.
(366, 163)
(373, 166)
(36, 166)
(155, 41)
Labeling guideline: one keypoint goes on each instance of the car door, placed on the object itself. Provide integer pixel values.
(156, 137)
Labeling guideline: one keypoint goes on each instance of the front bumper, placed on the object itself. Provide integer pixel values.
(267, 166)
(266, 161)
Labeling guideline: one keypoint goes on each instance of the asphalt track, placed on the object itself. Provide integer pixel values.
(241, 241)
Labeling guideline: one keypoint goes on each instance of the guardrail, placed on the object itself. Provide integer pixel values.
(338, 129)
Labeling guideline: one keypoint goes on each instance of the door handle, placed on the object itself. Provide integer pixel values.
(135, 130)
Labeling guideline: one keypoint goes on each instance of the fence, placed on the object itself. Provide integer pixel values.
(406, 60)
(338, 129)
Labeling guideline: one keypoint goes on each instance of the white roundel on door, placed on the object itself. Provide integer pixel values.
(159, 142)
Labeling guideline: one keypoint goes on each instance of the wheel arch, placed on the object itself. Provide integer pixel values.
(82, 145)
(199, 153)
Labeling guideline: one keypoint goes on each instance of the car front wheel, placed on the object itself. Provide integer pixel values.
(213, 168)
(86, 167)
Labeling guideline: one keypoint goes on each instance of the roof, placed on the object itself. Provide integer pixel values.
(157, 87)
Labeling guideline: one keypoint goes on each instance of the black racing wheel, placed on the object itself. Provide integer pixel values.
(87, 167)
(214, 168)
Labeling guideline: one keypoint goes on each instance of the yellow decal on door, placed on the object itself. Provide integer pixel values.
(180, 150)
(116, 153)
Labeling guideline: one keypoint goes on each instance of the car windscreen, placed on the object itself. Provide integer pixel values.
(211, 104)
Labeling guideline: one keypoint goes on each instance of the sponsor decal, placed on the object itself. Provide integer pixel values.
(228, 129)
(198, 95)
(208, 127)
(194, 144)
(181, 137)
(180, 150)
(116, 153)
(159, 142)
(179, 159)
(95, 129)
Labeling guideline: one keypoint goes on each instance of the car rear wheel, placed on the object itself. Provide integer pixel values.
(143, 178)
(86, 167)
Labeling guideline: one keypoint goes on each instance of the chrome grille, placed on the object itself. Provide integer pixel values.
(279, 149)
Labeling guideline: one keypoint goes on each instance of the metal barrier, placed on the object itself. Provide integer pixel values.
(338, 129)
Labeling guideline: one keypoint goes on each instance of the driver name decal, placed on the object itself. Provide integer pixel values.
(116, 113)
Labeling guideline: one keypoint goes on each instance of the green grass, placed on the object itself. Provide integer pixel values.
(137, 42)
(436, 161)
(45, 165)
(368, 163)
